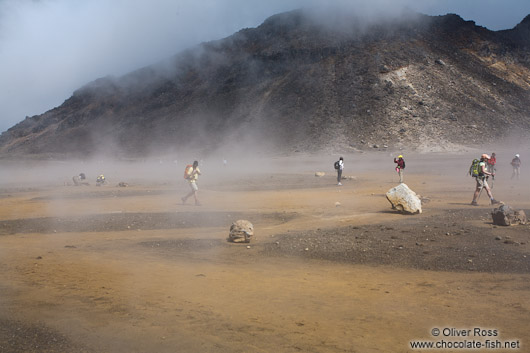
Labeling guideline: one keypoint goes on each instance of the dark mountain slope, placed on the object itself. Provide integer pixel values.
(297, 82)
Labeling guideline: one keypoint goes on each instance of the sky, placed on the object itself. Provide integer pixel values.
(50, 48)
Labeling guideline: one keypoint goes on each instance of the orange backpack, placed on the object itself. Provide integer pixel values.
(188, 171)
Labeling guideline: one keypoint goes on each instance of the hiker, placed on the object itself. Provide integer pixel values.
(516, 165)
(479, 172)
(191, 174)
(100, 180)
(79, 179)
(400, 166)
(339, 166)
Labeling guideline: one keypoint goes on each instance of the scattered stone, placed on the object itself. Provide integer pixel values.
(241, 231)
(122, 184)
(440, 62)
(504, 215)
(319, 174)
(404, 199)
(337, 204)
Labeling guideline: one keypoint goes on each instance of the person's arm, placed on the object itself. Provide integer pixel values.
(484, 170)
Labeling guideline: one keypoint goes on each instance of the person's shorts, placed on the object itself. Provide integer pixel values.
(481, 182)
(194, 186)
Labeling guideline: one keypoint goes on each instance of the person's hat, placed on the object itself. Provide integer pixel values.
(485, 156)
(400, 156)
(517, 155)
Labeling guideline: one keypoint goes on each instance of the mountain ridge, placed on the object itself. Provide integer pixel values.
(297, 82)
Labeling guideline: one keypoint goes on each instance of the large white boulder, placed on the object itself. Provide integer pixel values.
(404, 199)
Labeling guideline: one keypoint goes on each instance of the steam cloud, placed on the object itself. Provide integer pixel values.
(50, 48)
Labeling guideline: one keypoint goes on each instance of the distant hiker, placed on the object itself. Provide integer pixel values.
(479, 171)
(339, 166)
(100, 180)
(400, 167)
(79, 179)
(516, 165)
(191, 174)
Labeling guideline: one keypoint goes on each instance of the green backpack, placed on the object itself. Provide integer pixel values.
(474, 170)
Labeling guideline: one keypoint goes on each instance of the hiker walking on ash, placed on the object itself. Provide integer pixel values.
(400, 167)
(339, 166)
(191, 174)
(516, 165)
(478, 170)
(80, 179)
(100, 180)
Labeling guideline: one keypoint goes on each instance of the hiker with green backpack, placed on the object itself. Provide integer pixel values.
(479, 171)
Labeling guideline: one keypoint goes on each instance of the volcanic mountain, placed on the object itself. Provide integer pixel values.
(306, 82)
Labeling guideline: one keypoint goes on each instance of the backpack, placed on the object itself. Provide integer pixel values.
(337, 165)
(188, 171)
(474, 169)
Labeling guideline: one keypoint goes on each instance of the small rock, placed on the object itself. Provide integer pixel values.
(241, 231)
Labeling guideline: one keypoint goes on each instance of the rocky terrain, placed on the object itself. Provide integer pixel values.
(298, 83)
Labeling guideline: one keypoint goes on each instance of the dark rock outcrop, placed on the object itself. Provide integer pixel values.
(297, 82)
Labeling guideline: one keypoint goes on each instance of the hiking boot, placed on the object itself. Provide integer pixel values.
(474, 203)
(495, 202)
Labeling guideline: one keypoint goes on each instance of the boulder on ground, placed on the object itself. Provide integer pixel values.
(320, 174)
(241, 231)
(504, 215)
(404, 199)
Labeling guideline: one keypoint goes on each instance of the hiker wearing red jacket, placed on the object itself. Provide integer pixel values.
(400, 166)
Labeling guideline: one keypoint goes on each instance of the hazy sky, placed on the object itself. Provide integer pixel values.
(50, 48)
